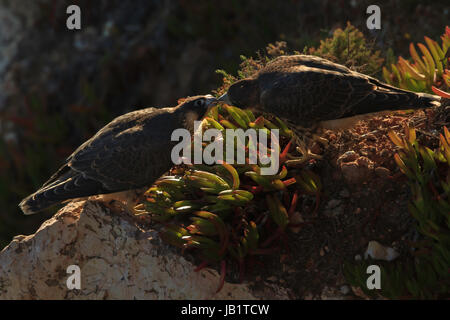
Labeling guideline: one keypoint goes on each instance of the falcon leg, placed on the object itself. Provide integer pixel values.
(304, 138)
(307, 133)
(116, 206)
(304, 151)
(124, 201)
(320, 140)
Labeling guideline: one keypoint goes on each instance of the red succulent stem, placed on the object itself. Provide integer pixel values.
(289, 182)
(285, 151)
(201, 266)
(293, 203)
(223, 271)
(253, 189)
(273, 237)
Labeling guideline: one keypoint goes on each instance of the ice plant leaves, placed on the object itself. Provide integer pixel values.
(174, 235)
(426, 274)
(206, 181)
(233, 173)
(428, 71)
(228, 211)
(395, 139)
(277, 211)
(309, 182)
(441, 93)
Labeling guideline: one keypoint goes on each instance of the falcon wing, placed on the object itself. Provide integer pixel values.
(312, 94)
(118, 124)
(283, 63)
(127, 154)
(130, 152)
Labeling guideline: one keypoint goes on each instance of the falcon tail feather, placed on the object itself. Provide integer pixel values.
(34, 204)
(429, 100)
(383, 100)
(71, 188)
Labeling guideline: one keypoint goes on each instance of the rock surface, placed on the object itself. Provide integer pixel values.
(117, 260)
(379, 252)
(355, 169)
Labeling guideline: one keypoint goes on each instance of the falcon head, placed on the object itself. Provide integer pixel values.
(194, 108)
(243, 93)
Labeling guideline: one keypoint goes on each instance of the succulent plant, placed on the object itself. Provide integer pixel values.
(426, 273)
(349, 47)
(229, 212)
(427, 73)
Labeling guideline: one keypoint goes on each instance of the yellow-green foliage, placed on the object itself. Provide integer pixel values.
(249, 66)
(424, 71)
(426, 274)
(349, 47)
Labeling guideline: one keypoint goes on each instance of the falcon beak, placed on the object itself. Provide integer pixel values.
(210, 100)
(225, 98)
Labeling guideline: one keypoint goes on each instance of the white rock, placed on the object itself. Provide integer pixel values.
(347, 157)
(344, 290)
(117, 260)
(379, 252)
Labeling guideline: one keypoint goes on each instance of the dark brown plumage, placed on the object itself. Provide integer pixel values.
(307, 89)
(130, 152)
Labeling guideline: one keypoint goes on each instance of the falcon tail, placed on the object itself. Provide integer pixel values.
(429, 100)
(386, 98)
(59, 191)
(36, 203)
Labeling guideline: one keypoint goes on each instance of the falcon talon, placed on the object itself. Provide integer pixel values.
(307, 156)
(296, 162)
(323, 141)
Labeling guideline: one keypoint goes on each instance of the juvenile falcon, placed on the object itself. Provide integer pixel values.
(130, 152)
(305, 90)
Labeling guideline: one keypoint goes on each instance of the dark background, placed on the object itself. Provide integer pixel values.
(58, 87)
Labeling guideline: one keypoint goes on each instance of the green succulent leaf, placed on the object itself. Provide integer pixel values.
(277, 211)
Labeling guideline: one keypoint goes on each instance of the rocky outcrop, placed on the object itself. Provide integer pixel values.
(117, 260)
(355, 169)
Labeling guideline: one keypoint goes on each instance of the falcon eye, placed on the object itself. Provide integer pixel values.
(199, 103)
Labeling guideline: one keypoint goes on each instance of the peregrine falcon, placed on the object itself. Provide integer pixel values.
(306, 90)
(130, 152)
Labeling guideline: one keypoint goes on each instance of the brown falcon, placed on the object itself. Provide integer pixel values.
(130, 152)
(306, 90)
